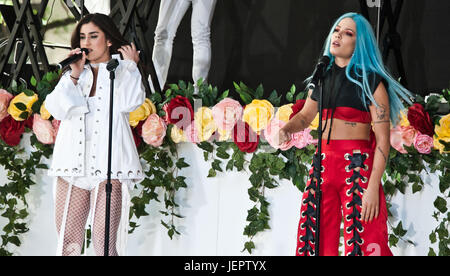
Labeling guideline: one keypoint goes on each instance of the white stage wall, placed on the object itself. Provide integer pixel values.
(215, 210)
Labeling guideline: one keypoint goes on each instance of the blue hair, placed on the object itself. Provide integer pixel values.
(367, 59)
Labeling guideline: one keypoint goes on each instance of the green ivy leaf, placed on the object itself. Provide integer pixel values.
(431, 253)
(441, 204)
(249, 246)
(212, 173)
(181, 164)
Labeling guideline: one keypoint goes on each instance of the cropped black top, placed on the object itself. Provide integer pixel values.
(343, 98)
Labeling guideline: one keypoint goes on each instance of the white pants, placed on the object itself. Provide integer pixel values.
(171, 12)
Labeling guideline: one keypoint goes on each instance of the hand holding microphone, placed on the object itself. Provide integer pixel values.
(76, 61)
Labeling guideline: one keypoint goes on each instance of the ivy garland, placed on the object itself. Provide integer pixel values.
(266, 168)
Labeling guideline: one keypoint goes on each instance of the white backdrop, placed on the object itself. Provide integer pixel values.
(215, 210)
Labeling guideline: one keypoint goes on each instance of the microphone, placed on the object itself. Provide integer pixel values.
(319, 72)
(112, 65)
(72, 59)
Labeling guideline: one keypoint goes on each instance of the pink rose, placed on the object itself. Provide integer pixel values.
(271, 135)
(303, 138)
(402, 136)
(226, 113)
(154, 130)
(423, 143)
(44, 130)
(191, 133)
(5, 98)
(408, 135)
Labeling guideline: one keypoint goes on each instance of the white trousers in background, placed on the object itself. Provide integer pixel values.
(171, 12)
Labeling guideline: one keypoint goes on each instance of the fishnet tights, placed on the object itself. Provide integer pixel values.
(81, 201)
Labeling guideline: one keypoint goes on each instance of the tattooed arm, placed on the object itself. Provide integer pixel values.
(381, 127)
(300, 121)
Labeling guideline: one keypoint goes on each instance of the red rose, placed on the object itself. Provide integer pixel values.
(179, 111)
(420, 119)
(297, 107)
(245, 138)
(11, 131)
(137, 133)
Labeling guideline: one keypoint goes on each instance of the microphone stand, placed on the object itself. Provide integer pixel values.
(319, 171)
(111, 67)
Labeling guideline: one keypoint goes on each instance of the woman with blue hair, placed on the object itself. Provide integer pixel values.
(360, 100)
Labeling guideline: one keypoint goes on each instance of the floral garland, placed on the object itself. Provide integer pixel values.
(227, 132)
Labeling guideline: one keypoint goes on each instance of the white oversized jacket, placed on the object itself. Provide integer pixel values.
(68, 103)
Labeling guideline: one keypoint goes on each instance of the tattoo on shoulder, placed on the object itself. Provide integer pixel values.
(381, 112)
(384, 155)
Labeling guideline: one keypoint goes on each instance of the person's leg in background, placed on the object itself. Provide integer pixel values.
(202, 14)
(171, 12)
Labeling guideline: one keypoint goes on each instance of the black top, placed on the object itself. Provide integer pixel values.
(339, 91)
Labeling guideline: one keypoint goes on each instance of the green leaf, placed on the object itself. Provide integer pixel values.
(36, 107)
(432, 237)
(431, 253)
(33, 81)
(441, 204)
(156, 98)
(249, 246)
(28, 92)
(14, 240)
(206, 146)
(21, 106)
(290, 97)
(246, 98)
(399, 231)
(416, 188)
(259, 93)
(181, 164)
(224, 95)
(216, 165)
(24, 115)
(212, 173)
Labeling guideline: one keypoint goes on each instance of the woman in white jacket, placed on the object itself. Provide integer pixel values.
(81, 101)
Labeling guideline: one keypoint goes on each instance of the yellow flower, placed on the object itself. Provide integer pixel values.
(44, 112)
(404, 119)
(224, 135)
(315, 123)
(25, 101)
(142, 113)
(258, 114)
(284, 112)
(177, 135)
(442, 132)
(205, 124)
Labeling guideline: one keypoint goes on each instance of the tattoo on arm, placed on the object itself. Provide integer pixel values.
(384, 155)
(303, 123)
(381, 112)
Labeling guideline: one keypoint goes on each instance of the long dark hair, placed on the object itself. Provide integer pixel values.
(107, 25)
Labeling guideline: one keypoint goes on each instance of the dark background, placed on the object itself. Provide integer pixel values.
(277, 42)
